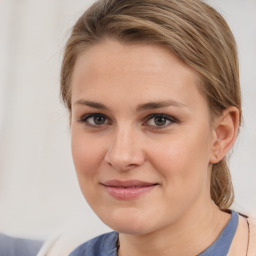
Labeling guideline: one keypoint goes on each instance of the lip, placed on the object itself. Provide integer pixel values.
(129, 189)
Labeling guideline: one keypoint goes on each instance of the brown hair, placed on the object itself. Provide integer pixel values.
(192, 30)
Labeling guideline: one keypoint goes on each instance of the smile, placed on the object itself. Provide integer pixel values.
(127, 190)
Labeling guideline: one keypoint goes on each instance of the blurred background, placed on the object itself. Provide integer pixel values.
(39, 194)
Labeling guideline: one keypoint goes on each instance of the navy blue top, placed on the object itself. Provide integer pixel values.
(106, 245)
(12, 246)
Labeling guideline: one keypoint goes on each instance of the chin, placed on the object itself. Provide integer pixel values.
(128, 222)
(130, 228)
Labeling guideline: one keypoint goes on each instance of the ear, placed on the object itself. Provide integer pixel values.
(224, 133)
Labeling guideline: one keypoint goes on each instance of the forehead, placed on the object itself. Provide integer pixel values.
(132, 69)
(104, 55)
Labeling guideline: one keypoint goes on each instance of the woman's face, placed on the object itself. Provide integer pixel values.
(141, 136)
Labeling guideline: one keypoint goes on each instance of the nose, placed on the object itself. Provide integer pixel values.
(125, 150)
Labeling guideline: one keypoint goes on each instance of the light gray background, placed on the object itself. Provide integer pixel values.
(39, 194)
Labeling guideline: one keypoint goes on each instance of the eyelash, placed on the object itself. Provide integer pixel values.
(167, 119)
(85, 118)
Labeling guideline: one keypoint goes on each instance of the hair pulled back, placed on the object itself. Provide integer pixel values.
(192, 30)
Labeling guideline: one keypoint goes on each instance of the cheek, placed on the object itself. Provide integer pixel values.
(183, 165)
(181, 159)
(87, 154)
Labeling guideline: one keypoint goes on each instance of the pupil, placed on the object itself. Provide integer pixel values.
(99, 120)
(160, 121)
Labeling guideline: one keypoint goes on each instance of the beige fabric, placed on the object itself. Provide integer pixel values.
(64, 244)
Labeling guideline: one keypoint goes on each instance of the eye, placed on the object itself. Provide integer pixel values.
(159, 120)
(95, 120)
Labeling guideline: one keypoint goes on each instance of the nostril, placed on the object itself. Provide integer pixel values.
(124, 161)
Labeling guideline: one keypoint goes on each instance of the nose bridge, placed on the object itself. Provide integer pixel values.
(125, 150)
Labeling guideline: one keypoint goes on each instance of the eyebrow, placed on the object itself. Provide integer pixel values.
(160, 104)
(140, 108)
(91, 104)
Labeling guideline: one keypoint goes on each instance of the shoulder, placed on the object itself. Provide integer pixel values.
(252, 236)
(101, 245)
(12, 246)
(244, 242)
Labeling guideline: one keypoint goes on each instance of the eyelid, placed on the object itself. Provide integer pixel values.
(85, 117)
(169, 118)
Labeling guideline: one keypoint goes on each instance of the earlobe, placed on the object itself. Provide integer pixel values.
(225, 133)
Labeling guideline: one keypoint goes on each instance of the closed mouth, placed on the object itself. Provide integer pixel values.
(126, 190)
(128, 183)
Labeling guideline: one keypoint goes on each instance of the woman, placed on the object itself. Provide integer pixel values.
(154, 98)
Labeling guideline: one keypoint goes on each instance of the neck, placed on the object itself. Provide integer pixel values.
(190, 235)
